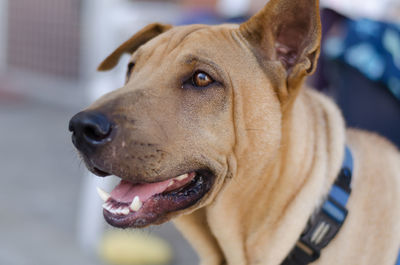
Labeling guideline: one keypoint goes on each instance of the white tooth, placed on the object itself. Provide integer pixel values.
(136, 204)
(125, 211)
(107, 206)
(170, 183)
(103, 195)
(119, 210)
(182, 177)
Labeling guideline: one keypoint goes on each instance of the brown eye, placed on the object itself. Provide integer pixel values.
(201, 79)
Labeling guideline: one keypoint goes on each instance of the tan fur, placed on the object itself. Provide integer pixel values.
(276, 147)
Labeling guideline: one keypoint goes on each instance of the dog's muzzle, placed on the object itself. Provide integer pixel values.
(142, 197)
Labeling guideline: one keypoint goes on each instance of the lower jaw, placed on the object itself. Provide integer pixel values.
(160, 207)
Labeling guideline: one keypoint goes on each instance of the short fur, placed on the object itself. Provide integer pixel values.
(275, 145)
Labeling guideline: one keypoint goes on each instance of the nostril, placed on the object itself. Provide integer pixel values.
(96, 133)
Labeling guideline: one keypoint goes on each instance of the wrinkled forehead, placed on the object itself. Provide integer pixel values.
(182, 42)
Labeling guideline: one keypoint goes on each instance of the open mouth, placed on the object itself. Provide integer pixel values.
(139, 205)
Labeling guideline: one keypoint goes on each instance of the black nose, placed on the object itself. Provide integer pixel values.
(90, 129)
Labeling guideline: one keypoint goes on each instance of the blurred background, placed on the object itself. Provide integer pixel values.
(49, 50)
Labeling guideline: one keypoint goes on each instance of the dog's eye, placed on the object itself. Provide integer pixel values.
(131, 65)
(201, 79)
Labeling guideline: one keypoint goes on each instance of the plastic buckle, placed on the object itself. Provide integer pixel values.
(323, 228)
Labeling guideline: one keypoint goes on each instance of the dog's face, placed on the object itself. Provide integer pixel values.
(172, 118)
(196, 98)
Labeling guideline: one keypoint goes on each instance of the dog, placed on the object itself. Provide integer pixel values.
(215, 130)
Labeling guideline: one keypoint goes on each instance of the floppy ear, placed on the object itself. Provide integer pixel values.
(129, 46)
(288, 31)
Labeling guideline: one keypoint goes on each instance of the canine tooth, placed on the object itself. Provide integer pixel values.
(182, 177)
(103, 195)
(136, 204)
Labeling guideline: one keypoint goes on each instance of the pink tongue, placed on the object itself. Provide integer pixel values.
(126, 191)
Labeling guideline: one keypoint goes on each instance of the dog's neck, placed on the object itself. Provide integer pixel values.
(269, 203)
(308, 163)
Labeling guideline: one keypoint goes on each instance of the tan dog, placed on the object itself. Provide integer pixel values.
(214, 129)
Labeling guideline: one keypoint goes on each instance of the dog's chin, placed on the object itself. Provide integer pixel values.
(141, 204)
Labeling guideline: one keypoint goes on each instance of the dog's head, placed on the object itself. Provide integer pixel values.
(197, 102)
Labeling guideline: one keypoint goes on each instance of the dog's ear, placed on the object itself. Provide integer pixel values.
(129, 46)
(288, 31)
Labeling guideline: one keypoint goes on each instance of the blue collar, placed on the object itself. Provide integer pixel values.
(327, 221)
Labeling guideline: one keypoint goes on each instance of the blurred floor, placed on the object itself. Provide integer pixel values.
(40, 186)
